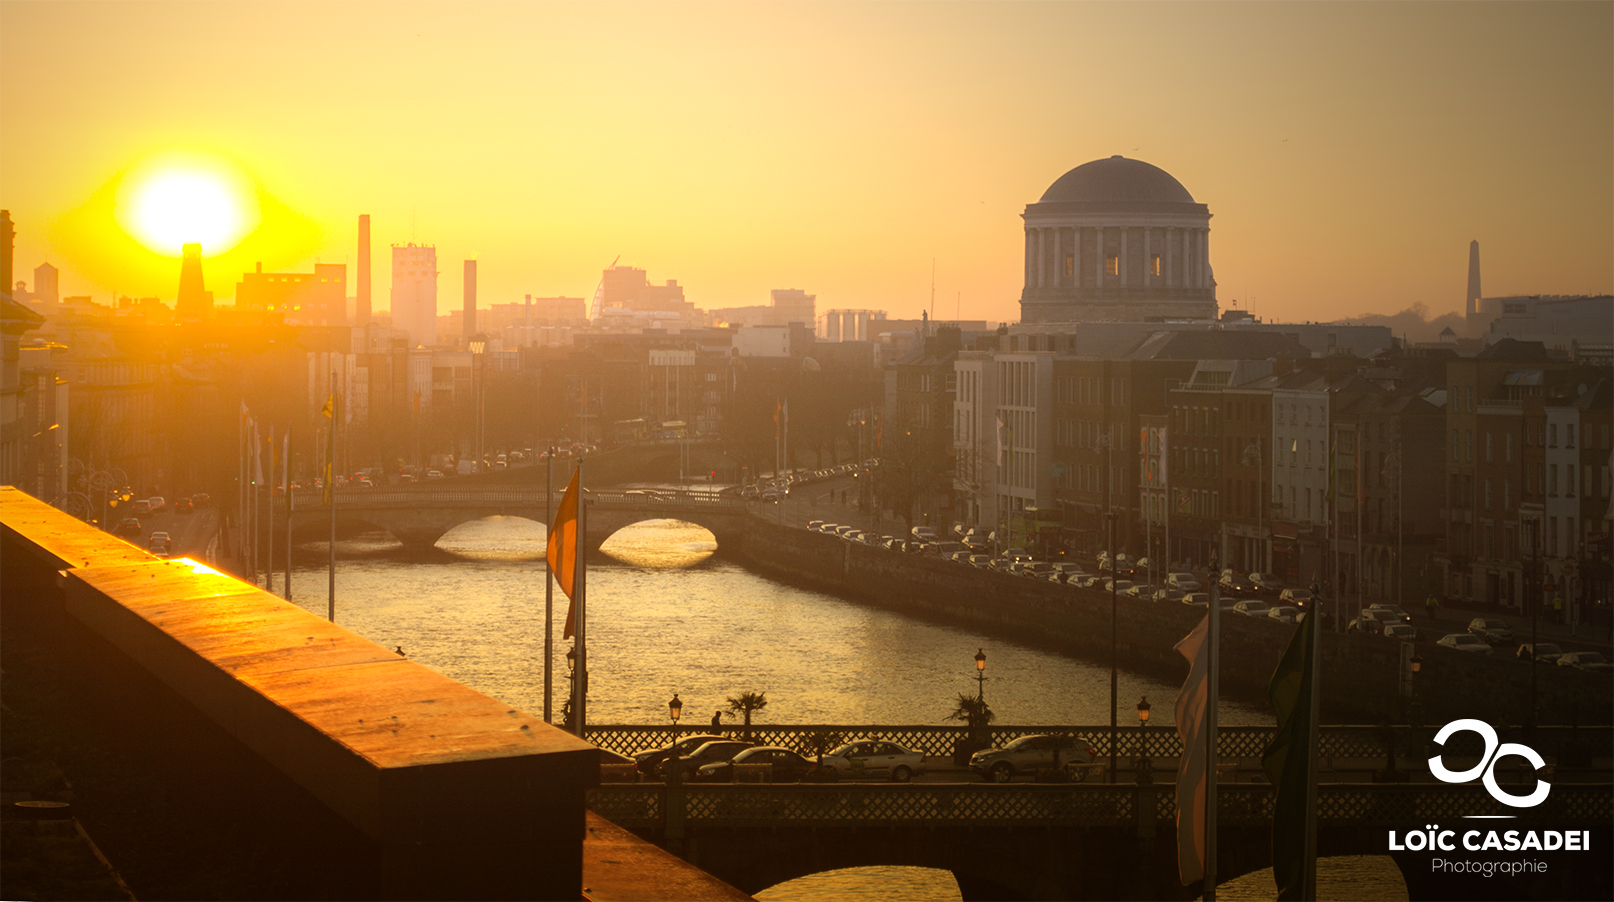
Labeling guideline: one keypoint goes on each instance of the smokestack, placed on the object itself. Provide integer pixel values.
(194, 302)
(361, 306)
(470, 299)
(8, 240)
(1473, 278)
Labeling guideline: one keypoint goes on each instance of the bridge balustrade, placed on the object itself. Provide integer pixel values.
(1334, 742)
(644, 806)
(374, 497)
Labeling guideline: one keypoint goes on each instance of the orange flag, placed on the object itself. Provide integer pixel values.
(563, 549)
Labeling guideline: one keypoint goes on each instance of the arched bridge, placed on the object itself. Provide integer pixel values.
(419, 515)
(1085, 841)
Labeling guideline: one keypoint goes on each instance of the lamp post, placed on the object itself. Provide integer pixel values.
(1145, 769)
(571, 674)
(980, 675)
(1414, 710)
(479, 344)
(1115, 572)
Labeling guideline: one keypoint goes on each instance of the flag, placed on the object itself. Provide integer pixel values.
(562, 554)
(327, 493)
(1193, 772)
(1287, 759)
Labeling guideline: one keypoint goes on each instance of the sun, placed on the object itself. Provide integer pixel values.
(178, 200)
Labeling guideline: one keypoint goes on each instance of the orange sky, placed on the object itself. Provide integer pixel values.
(1348, 152)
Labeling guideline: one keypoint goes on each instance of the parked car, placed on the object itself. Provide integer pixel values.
(1251, 608)
(647, 762)
(924, 533)
(1118, 586)
(1299, 598)
(1400, 631)
(1266, 582)
(788, 767)
(709, 753)
(1491, 630)
(874, 758)
(1586, 660)
(1395, 612)
(814, 524)
(1090, 581)
(1283, 613)
(1184, 581)
(1026, 756)
(1035, 569)
(981, 561)
(1197, 599)
(1368, 620)
(946, 548)
(1466, 642)
(1545, 652)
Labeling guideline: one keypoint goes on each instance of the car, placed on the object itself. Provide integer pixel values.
(1466, 642)
(981, 561)
(1492, 630)
(1089, 581)
(1035, 569)
(1197, 599)
(945, 548)
(924, 533)
(1016, 555)
(1140, 591)
(1070, 569)
(844, 529)
(1400, 631)
(788, 766)
(1586, 660)
(874, 758)
(1184, 581)
(159, 547)
(688, 765)
(1395, 612)
(129, 527)
(647, 762)
(184, 506)
(826, 528)
(1117, 586)
(434, 474)
(1545, 652)
(160, 536)
(1236, 584)
(1299, 598)
(960, 557)
(142, 508)
(1283, 613)
(1266, 582)
(1369, 620)
(1027, 755)
(1251, 608)
(202, 499)
(157, 504)
(976, 543)
(814, 524)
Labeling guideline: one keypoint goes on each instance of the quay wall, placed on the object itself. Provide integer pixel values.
(1361, 674)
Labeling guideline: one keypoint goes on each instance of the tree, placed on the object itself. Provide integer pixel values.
(916, 463)
(744, 704)
(973, 711)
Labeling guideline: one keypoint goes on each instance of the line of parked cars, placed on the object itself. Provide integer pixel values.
(708, 757)
(1485, 634)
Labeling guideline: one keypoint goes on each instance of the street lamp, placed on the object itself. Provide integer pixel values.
(1415, 710)
(1115, 576)
(479, 344)
(1145, 769)
(980, 675)
(674, 709)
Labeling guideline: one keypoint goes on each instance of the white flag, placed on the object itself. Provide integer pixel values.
(1193, 773)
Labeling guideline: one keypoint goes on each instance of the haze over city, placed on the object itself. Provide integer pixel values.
(1348, 152)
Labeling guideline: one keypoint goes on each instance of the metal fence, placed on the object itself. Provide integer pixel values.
(1396, 805)
(1334, 742)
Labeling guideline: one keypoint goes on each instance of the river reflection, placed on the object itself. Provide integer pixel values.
(666, 616)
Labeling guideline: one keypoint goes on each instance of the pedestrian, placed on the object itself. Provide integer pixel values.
(1430, 604)
(717, 720)
(1557, 608)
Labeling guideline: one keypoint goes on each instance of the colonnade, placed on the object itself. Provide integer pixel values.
(1059, 257)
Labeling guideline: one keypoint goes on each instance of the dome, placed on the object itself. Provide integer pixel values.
(1117, 180)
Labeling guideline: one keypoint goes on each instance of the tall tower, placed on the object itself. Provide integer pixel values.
(1472, 303)
(8, 240)
(195, 301)
(361, 306)
(414, 292)
(469, 328)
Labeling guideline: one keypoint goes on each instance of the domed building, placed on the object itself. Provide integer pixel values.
(1117, 240)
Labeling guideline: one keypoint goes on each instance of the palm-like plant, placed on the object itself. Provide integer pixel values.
(745, 703)
(973, 711)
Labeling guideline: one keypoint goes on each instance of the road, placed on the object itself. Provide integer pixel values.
(190, 533)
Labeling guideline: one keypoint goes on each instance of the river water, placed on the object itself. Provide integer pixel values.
(666, 616)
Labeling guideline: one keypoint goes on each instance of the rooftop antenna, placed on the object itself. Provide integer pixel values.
(932, 287)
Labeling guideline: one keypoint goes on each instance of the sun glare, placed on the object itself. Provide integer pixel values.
(177, 202)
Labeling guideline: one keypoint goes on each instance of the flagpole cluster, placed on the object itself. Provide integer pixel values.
(568, 561)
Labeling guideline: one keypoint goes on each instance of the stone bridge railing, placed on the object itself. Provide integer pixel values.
(1346, 742)
(468, 496)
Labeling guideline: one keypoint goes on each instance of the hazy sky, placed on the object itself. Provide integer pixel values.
(1349, 152)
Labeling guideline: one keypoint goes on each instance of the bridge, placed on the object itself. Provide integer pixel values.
(418, 515)
(1096, 841)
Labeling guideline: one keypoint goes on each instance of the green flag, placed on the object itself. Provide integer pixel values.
(1285, 760)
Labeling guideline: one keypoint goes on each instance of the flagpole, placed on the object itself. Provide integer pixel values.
(330, 486)
(240, 482)
(580, 684)
(269, 562)
(285, 463)
(549, 590)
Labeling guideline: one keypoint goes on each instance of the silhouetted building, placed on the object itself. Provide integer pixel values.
(304, 299)
(1117, 240)
(195, 301)
(414, 292)
(8, 241)
(469, 328)
(361, 306)
(1471, 304)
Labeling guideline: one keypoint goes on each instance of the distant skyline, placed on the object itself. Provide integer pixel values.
(1348, 152)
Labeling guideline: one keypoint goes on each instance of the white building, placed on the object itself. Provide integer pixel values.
(1300, 452)
(1025, 384)
(414, 292)
(1561, 537)
(975, 437)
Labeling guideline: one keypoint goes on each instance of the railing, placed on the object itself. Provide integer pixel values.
(1033, 805)
(349, 496)
(1348, 742)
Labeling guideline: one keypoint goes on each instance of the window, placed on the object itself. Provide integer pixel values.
(1552, 436)
(1070, 265)
(1468, 445)
(1455, 447)
(1112, 265)
(1507, 447)
(1154, 265)
(1552, 480)
(1489, 458)
(1569, 435)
